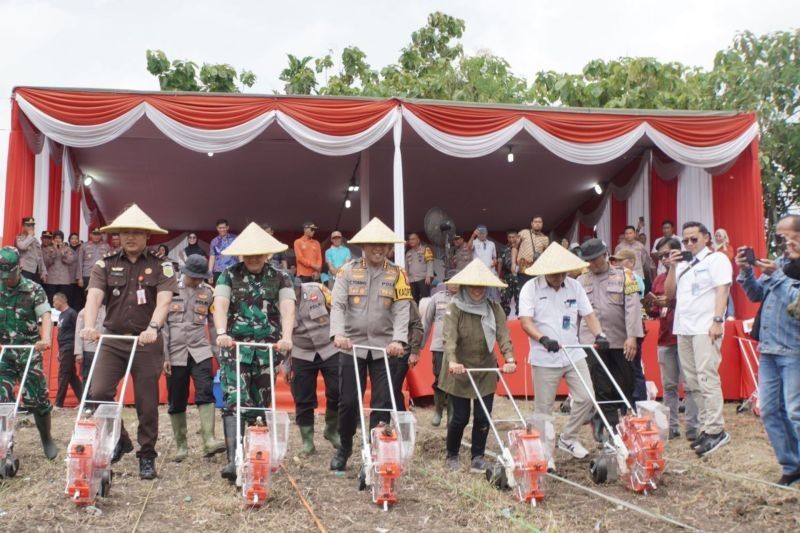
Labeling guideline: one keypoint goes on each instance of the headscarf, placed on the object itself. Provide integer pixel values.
(194, 249)
(481, 308)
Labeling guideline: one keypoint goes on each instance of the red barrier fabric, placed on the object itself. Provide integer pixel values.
(663, 204)
(738, 207)
(19, 180)
(619, 219)
(75, 212)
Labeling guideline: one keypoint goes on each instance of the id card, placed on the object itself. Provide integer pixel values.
(141, 297)
(566, 321)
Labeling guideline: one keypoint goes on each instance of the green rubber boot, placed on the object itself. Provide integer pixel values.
(331, 433)
(439, 399)
(211, 446)
(179, 432)
(307, 433)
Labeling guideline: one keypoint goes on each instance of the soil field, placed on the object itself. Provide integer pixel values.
(191, 496)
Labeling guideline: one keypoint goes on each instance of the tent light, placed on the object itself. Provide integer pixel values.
(347, 203)
(510, 156)
(351, 188)
(210, 154)
(598, 188)
(87, 180)
(355, 188)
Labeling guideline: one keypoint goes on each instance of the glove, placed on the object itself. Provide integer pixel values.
(601, 343)
(551, 345)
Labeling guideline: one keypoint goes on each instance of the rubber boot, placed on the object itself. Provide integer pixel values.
(48, 445)
(179, 433)
(211, 446)
(229, 427)
(331, 433)
(339, 460)
(439, 399)
(307, 434)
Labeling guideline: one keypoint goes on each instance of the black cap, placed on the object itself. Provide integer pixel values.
(29, 220)
(196, 266)
(592, 249)
(47, 234)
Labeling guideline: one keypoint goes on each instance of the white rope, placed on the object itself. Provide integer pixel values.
(741, 477)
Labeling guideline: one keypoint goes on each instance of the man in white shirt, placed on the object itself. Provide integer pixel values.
(700, 288)
(485, 250)
(550, 307)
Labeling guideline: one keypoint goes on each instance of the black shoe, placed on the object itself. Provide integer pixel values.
(699, 440)
(691, 435)
(787, 480)
(124, 445)
(674, 434)
(147, 468)
(712, 443)
(598, 429)
(339, 461)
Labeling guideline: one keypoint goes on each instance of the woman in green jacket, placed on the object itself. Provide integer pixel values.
(472, 326)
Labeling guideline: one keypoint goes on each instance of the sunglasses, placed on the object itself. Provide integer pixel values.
(693, 240)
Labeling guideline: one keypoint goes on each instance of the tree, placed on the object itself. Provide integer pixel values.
(180, 75)
(299, 77)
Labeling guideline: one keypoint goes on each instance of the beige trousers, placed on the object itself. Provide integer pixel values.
(700, 359)
(545, 383)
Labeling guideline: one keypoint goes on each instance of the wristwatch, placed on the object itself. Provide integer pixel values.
(154, 325)
(221, 332)
(719, 319)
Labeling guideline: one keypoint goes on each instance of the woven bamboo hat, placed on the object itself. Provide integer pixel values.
(556, 260)
(254, 241)
(476, 274)
(133, 218)
(376, 232)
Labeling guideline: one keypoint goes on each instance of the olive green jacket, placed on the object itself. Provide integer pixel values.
(465, 343)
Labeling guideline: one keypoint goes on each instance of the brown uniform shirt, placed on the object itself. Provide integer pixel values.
(616, 303)
(120, 280)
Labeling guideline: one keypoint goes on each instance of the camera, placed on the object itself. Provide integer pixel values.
(686, 256)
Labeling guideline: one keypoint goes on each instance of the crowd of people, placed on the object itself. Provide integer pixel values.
(314, 307)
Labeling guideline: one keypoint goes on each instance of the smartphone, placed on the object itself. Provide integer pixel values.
(749, 256)
(686, 256)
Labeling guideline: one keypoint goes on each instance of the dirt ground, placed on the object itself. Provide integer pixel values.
(192, 494)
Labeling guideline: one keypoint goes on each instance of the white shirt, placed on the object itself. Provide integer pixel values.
(555, 313)
(695, 296)
(485, 251)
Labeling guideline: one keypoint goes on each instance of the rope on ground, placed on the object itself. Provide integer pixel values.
(150, 490)
(612, 499)
(306, 504)
(464, 492)
(739, 477)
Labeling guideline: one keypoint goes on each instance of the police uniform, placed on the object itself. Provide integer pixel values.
(31, 260)
(58, 263)
(615, 300)
(89, 254)
(462, 256)
(313, 353)
(433, 324)
(419, 266)
(399, 365)
(21, 306)
(370, 307)
(129, 312)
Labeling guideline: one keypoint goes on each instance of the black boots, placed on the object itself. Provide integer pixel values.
(339, 461)
(147, 468)
(229, 427)
(48, 445)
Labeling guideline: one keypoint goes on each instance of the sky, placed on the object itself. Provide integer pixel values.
(102, 43)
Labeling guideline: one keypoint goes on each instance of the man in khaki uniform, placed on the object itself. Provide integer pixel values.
(461, 253)
(419, 266)
(31, 260)
(90, 253)
(531, 243)
(615, 300)
(370, 307)
(313, 353)
(187, 353)
(136, 288)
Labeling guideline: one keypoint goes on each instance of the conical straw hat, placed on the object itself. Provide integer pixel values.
(476, 274)
(555, 260)
(254, 241)
(375, 232)
(133, 218)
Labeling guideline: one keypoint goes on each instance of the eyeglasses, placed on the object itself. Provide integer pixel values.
(693, 240)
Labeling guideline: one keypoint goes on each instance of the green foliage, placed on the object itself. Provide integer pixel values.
(181, 75)
(299, 77)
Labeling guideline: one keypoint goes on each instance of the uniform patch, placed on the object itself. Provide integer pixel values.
(428, 255)
(101, 263)
(402, 290)
(148, 271)
(167, 269)
(202, 296)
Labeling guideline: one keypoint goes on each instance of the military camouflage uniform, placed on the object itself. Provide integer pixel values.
(510, 279)
(253, 316)
(20, 307)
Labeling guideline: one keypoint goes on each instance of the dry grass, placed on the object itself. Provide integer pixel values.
(191, 495)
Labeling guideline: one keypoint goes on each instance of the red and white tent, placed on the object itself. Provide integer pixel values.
(188, 159)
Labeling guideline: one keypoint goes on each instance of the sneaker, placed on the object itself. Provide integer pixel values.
(674, 433)
(478, 465)
(572, 447)
(699, 440)
(691, 435)
(551, 466)
(712, 443)
(787, 480)
(452, 464)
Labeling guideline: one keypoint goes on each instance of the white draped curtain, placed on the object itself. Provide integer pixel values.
(695, 197)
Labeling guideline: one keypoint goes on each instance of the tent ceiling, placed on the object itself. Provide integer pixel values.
(274, 179)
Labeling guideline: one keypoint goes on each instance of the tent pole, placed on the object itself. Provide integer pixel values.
(398, 196)
(363, 183)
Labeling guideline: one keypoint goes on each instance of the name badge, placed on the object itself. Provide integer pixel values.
(141, 297)
(565, 322)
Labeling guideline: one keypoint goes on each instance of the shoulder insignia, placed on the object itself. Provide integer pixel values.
(101, 263)
(428, 255)
(167, 269)
(402, 290)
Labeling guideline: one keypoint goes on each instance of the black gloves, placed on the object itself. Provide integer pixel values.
(601, 343)
(551, 345)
